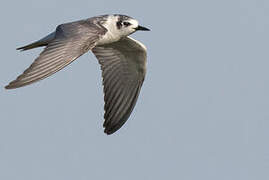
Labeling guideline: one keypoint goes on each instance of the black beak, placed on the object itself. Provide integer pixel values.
(141, 28)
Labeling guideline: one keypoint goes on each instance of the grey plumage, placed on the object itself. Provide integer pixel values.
(123, 71)
(122, 60)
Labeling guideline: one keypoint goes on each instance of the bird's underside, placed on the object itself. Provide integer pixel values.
(123, 65)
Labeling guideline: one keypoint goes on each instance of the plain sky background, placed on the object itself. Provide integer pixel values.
(202, 112)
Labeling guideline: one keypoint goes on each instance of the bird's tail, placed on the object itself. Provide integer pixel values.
(42, 42)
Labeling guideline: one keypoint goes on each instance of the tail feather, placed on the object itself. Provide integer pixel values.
(42, 42)
(32, 45)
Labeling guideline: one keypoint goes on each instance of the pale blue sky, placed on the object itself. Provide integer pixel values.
(202, 112)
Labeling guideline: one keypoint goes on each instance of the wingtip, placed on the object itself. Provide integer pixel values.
(11, 85)
(7, 87)
(107, 132)
(107, 128)
(111, 129)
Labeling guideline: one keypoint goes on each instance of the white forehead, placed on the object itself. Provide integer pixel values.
(133, 22)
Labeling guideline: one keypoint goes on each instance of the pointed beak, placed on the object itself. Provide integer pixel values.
(141, 28)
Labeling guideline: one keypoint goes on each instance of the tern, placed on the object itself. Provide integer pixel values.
(122, 60)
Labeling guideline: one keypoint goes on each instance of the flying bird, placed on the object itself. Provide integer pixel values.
(122, 60)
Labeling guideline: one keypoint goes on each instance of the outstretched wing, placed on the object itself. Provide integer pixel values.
(123, 65)
(71, 41)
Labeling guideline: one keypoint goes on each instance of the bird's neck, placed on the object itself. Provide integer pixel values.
(112, 34)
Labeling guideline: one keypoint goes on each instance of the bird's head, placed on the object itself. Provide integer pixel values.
(127, 25)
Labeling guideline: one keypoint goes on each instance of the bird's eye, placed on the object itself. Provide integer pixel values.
(126, 23)
(119, 24)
